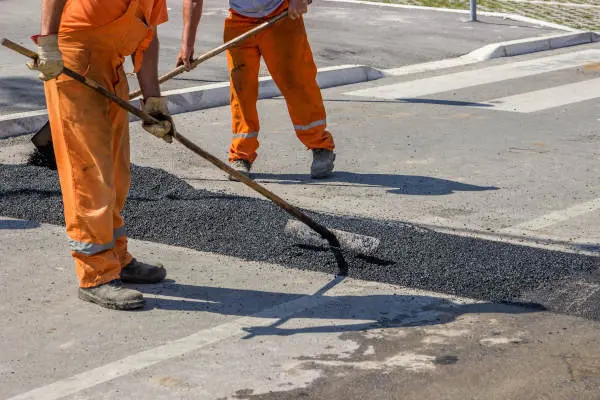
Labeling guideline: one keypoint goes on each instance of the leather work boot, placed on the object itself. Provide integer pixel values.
(113, 295)
(139, 272)
(241, 166)
(322, 165)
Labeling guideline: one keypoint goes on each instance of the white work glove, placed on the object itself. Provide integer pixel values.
(49, 61)
(157, 108)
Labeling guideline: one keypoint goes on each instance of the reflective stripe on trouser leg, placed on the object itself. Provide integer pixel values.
(248, 135)
(310, 126)
(243, 64)
(289, 58)
(94, 248)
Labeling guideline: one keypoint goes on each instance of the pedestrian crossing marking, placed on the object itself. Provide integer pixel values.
(544, 99)
(476, 77)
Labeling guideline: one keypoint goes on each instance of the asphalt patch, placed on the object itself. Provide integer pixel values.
(165, 209)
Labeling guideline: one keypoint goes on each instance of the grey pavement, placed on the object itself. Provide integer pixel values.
(339, 33)
(225, 328)
(473, 191)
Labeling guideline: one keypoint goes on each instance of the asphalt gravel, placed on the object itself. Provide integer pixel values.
(163, 208)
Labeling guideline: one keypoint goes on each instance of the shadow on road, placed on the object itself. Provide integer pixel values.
(362, 312)
(404, 184)
(17, 224)
(438, 102)
(19, 94)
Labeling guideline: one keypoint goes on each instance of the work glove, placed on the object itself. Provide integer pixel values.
(49, 61)
(157, 108)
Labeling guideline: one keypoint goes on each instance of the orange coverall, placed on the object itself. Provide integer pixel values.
(288, 57)
(91, 134)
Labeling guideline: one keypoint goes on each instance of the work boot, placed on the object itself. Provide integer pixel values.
(113, 295)
(139, 272)
(241, 166)
(322, 165)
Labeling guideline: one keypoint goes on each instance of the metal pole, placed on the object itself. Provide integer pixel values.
(473, 10)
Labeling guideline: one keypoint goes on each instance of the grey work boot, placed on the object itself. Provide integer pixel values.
(139, 272)
(113, 295)
(241, 166)
(322, 165)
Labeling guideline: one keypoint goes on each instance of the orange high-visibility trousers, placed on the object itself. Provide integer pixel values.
(287, 54)
(91, 143)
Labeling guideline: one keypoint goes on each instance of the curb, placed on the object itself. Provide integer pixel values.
(502, 49)
(200, 97)
(532, 45)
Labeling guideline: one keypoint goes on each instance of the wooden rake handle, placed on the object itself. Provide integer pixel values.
(216, 51)
(320, 229)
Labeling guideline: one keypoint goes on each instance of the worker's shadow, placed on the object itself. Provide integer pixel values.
(18, 224)
(399, 184)
(18, 94)
(318, 312)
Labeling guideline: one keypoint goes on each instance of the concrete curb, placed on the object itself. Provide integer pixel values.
(201, 97)
(532, 45)
(502, 49)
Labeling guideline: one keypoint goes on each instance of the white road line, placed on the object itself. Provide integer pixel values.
(544, 99)
(483, 76)
(144, 359)
(557, 216)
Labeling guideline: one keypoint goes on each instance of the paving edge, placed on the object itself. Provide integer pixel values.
(201, 97)
(502, 49)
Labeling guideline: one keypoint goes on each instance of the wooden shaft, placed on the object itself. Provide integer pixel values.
(320, 229)
(218, 50)
(19, 49)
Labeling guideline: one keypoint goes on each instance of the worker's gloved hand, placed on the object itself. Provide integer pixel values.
(297, 7)
(49, 61)
(157, 108)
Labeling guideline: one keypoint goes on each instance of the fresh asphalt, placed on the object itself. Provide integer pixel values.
(165, 209)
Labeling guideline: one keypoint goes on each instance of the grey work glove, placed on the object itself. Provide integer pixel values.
(157, 108)
(50, 61)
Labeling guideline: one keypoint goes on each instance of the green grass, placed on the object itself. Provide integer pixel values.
(573, 17)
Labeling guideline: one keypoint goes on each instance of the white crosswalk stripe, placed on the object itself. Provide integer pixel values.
(539, 100)
(527, 102)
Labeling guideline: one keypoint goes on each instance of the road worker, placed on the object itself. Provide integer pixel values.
(288, 56)
(91, 134)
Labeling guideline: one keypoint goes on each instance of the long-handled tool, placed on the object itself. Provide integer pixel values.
(358, 244)
(42, 139)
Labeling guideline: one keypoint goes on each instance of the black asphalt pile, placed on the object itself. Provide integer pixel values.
(162, 208)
